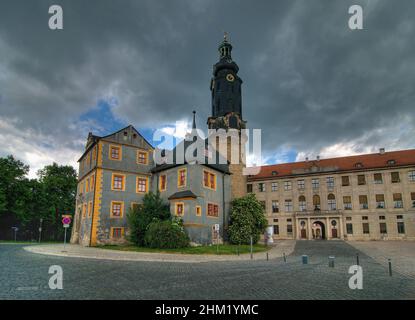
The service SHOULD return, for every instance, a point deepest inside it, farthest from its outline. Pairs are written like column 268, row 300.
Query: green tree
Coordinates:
column 246, row 219
column 12, row 186
column 58, row 190
column 139, row 218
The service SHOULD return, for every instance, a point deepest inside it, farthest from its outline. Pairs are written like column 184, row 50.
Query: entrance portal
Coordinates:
column 319, row 230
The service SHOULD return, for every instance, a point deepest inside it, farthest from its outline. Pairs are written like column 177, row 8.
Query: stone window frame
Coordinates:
column 138, row 185
column 110, row 153
column 161, row 189
column 122, row 232
column 123, row 177
column 142, row 152
column 179, row 176
column 117, row 202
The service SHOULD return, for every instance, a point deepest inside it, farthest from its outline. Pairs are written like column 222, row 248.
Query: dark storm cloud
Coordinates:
column 309, row 81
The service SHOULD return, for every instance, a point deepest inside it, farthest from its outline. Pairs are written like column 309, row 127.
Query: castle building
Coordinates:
column 116, row 171
column 365, row 197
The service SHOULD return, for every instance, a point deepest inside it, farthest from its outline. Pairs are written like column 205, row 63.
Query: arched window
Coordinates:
column 316, row 202
column 301, row 203
column 331, row 201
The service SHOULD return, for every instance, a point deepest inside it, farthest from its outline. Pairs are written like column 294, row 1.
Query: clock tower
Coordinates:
column 227, row 114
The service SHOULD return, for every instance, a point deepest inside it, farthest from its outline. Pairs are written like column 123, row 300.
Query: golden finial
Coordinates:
column 225, row 36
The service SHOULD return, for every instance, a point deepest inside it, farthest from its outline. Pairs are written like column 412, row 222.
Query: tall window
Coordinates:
column 92, row 186
column 401, row 227
column 276, row 229
column 365, row 227
column 382, row 228
column 377, row 178
column 263, row 205
column 287, row 185
column 274, row 186
column 179, row 209
column 345, row 181
column 330, row 182
column 181, row 178
column 90, row 209
column 163, row 182
column 361, row 179
column 142, row 157
column 411, row 175
column 288, row 205
column 118, row 182
column 289, row 229
column 117, row 209
column 275, row 206
column 87, row 185
column 347, row 202
column 301, row 184
column 363, row 202
column 84, row 209
column 315, row 183
column 115, row 153
column 141, row 184
column 301, row 203
column 261, row 187
column 397, row 200
column 413, row 199
column 395, row 177
column 380, row 201
column 331, row 201
column 316, row 202
column 349, row 228
column 209, row 180
column 249, row 188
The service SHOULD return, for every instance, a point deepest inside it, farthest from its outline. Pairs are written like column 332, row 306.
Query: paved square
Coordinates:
column 24, row 275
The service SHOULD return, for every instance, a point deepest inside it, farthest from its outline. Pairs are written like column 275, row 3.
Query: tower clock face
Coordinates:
column 230, row 77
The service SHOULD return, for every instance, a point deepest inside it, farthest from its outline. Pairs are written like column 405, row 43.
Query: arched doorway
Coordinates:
column 319, row 230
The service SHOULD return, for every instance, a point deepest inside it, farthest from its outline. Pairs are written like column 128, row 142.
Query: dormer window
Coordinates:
column 274, row 173
column 358, row 165
column 391, row 162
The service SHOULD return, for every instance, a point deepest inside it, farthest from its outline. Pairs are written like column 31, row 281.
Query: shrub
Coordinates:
column 166, row 234
column 246, row 219
column 152, row 209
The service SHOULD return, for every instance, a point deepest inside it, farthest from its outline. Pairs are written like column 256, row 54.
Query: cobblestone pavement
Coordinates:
column 24, row 275
column 286, row 246
column 401, row 253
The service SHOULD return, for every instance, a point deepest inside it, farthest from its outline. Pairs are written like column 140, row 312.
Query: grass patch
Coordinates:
column 213, row 249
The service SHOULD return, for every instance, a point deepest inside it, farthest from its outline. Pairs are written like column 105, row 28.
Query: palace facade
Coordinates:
column 364, row 197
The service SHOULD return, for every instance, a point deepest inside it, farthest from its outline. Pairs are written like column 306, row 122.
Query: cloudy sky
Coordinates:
column 311, row 84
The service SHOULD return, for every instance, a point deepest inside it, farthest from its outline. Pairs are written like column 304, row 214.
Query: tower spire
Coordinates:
column 194, row 120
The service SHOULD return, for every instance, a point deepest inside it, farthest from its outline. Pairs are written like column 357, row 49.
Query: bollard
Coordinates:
column 304, row 258
column 285, row 258
column 251, row 248
column 390, row 267
column 331, row 261
column 238, row 249
column 357, row 259
column 267, row 256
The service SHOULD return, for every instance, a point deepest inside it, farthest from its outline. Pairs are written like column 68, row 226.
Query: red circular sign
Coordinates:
column 66, row 220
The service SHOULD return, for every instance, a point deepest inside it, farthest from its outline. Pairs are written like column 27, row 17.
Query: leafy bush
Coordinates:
column 246, row 219
column 152, row 209
column 166, row 234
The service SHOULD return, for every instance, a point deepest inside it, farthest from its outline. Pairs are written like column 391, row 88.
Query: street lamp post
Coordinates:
column 40, row 229
column 15, row 229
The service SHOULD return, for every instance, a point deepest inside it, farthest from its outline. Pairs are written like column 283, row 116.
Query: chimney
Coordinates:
column 382, row 151
column 306, row 159
column 318, row 158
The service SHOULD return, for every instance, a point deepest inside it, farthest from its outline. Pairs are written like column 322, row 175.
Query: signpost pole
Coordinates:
column 64, row 240
column 40, row 229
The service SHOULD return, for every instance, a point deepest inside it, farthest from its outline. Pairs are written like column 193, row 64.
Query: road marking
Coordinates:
column 27, row 288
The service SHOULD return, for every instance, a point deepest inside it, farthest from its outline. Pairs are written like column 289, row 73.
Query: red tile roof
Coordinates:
column 350, row 163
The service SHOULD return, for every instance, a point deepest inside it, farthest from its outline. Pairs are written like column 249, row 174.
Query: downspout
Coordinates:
column 223, row 206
